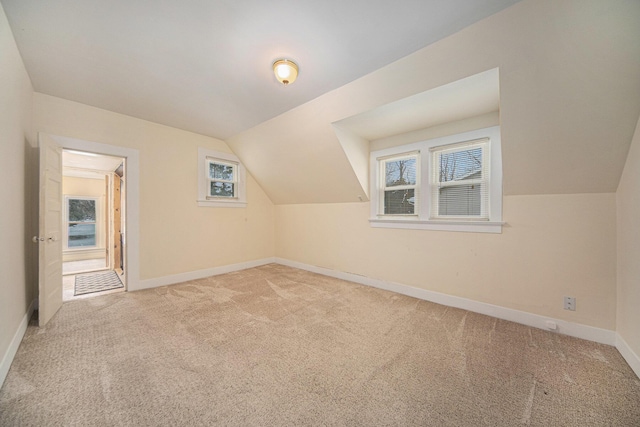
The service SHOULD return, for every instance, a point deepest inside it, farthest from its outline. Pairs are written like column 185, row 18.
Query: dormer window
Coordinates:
column 453, row 183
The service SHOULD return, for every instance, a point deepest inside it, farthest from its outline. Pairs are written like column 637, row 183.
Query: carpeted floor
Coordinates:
column 276, row 346
column 97, row 282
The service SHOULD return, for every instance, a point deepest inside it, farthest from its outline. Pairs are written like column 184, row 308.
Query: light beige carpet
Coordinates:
column 276, row 346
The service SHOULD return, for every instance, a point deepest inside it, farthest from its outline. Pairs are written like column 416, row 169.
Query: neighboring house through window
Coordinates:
column 452, row 183
column 460, row 180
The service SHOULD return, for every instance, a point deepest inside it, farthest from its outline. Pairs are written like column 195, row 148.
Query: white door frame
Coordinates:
column 132, row 213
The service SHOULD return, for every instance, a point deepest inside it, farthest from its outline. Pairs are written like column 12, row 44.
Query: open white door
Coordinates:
column 50, row 237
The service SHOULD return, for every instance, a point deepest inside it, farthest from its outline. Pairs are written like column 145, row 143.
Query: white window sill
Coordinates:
column 83, row 249
column 462, row 226
column 222, row 203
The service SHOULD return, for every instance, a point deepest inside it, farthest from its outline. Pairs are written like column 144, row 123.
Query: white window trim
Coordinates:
column 422, row 220
column 240, row 201
column 65, row 235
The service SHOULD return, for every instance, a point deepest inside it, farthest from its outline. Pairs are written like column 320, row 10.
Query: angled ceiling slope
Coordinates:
column 469, row 97
column 205, row 65
column 569, row 102
column 473, row 96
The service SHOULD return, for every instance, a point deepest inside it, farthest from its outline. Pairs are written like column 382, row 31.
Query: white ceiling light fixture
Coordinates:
column 286, row 71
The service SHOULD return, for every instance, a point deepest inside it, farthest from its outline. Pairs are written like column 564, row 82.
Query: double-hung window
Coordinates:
column 399, row 184
column 452, row 183
column 460, row 180
column 221, row 180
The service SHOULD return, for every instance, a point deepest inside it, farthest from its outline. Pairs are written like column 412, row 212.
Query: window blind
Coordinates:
column 460, row 180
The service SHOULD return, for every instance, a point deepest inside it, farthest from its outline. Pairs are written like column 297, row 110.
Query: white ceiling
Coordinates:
column 88, row 165
column 469, row 97
column 568, row 80
column 205, row 65
column 569, row 101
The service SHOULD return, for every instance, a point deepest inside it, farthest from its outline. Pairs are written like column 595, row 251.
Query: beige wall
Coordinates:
column 17, row 270
column 628, row 202
column 176, row 236
column 90, row 187
column 553, row 246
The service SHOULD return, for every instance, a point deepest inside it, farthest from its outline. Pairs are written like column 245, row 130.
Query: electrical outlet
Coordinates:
column 570, row 303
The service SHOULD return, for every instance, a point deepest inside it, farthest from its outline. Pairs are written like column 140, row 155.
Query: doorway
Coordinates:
column 50, row 234
column 94, row 224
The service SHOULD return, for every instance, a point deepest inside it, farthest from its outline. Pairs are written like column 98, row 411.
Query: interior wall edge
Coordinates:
column 576, row 330
column 8, row 356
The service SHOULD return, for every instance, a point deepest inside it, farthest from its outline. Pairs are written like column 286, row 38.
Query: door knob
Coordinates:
column 36, row 239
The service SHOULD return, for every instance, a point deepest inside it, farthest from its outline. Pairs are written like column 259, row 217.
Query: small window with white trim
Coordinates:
column 221, row 179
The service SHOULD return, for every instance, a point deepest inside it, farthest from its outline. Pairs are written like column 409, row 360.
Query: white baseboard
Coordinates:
column 591, row 333
column 7, row 359
column 198, row 274
column 577, row 330
column 629, row 355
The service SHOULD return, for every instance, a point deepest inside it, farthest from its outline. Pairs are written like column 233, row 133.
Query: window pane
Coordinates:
column 222, row 189
column 82, row 235
column 399, row 202
column 461, row 165
column 463, row 200
column 82, row 210
column 220, row 171
column 400, row 172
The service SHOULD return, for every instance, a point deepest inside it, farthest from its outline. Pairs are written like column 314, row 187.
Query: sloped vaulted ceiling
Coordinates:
column 569, row 101
column 205, row 65
column 569, row 79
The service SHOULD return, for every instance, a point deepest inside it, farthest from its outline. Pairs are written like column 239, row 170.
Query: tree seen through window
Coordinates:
column 400, row 179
